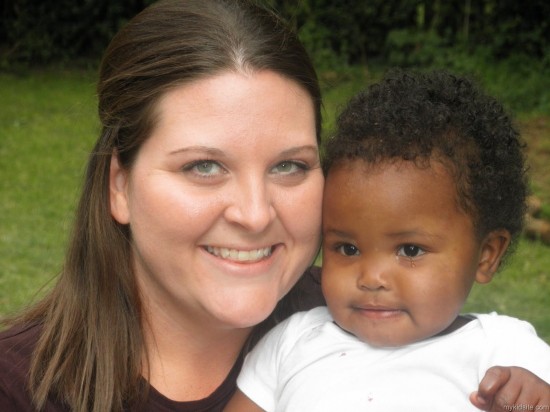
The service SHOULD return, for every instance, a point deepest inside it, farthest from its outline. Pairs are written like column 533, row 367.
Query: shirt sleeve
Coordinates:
column 259, row 374
column 514, row 342
column 262, row 375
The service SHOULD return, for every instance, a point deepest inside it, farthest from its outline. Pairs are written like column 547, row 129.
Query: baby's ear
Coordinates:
column 492, row 249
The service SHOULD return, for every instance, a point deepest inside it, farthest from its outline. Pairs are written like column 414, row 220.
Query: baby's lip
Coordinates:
column 378, row 311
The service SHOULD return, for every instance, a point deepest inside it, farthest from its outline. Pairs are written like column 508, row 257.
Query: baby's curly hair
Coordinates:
column 439, row 116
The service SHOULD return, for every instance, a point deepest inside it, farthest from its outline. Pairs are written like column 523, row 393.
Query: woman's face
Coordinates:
column 223, row 199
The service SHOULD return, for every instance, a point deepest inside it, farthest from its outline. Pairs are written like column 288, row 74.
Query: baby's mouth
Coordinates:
column 236, row 255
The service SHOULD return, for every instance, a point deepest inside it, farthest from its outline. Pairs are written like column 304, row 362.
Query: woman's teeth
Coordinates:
column 239, row 255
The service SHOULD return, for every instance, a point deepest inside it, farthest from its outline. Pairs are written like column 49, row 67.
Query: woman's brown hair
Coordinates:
column 90, row 351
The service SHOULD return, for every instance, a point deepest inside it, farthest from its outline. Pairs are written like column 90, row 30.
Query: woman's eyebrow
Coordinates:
column 202, row 149
column 293, row 151
column 300, row 149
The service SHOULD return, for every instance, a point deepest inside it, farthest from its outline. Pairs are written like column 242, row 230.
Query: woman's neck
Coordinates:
column 187, row 360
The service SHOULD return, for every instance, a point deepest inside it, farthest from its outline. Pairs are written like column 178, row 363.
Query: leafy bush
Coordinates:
column 61, row 30
column 338, row 33
column 411, row 47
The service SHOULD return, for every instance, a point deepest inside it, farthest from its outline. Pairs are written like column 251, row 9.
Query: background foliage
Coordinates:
column 337, row 32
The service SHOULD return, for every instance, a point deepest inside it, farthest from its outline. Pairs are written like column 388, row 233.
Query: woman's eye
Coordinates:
column 289, row 167
column 348, row 250
column 410, row 251
column 204, row 168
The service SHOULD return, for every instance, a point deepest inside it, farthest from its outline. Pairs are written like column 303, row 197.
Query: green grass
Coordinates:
column 47, row 126
column 48, row 123
column 521, row 289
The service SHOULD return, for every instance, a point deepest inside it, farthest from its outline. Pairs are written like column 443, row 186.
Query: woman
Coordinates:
column 189, row 230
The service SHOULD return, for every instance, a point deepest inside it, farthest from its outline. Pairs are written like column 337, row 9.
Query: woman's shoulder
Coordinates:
column 16, row 347
column 18, row 341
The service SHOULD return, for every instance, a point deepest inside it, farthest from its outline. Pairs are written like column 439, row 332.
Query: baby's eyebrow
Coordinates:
column 413, row 232
column 338, row 233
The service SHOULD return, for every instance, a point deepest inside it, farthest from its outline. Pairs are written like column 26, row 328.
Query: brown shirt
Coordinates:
column 17, row 345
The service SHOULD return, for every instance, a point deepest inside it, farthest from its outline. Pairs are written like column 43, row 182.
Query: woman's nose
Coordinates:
column 252, row 206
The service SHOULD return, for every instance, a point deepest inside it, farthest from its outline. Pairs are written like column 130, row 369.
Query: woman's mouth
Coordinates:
column 237, row 255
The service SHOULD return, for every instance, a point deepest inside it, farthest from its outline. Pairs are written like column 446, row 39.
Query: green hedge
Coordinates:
column 337, row 32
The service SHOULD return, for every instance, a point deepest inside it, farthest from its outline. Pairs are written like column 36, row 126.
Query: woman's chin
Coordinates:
column 245, row 314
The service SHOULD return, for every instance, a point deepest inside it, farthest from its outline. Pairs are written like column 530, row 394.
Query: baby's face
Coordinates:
column 399, row 257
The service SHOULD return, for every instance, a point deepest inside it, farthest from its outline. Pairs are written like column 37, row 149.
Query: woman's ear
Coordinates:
column 492, row 250
column 118, row 191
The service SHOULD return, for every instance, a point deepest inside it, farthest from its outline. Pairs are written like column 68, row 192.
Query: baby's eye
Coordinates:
column 348, row 250
column 410, row 251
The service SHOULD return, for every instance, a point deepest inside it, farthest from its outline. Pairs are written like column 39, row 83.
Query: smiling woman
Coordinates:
column 189, row 241
column 212, row 165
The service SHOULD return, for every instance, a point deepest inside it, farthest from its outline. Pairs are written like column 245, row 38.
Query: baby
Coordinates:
column 424, row 196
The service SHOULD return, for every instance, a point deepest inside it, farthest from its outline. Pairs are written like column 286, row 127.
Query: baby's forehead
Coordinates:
column 368, row 167
column 350, row 173
column 397, row 195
